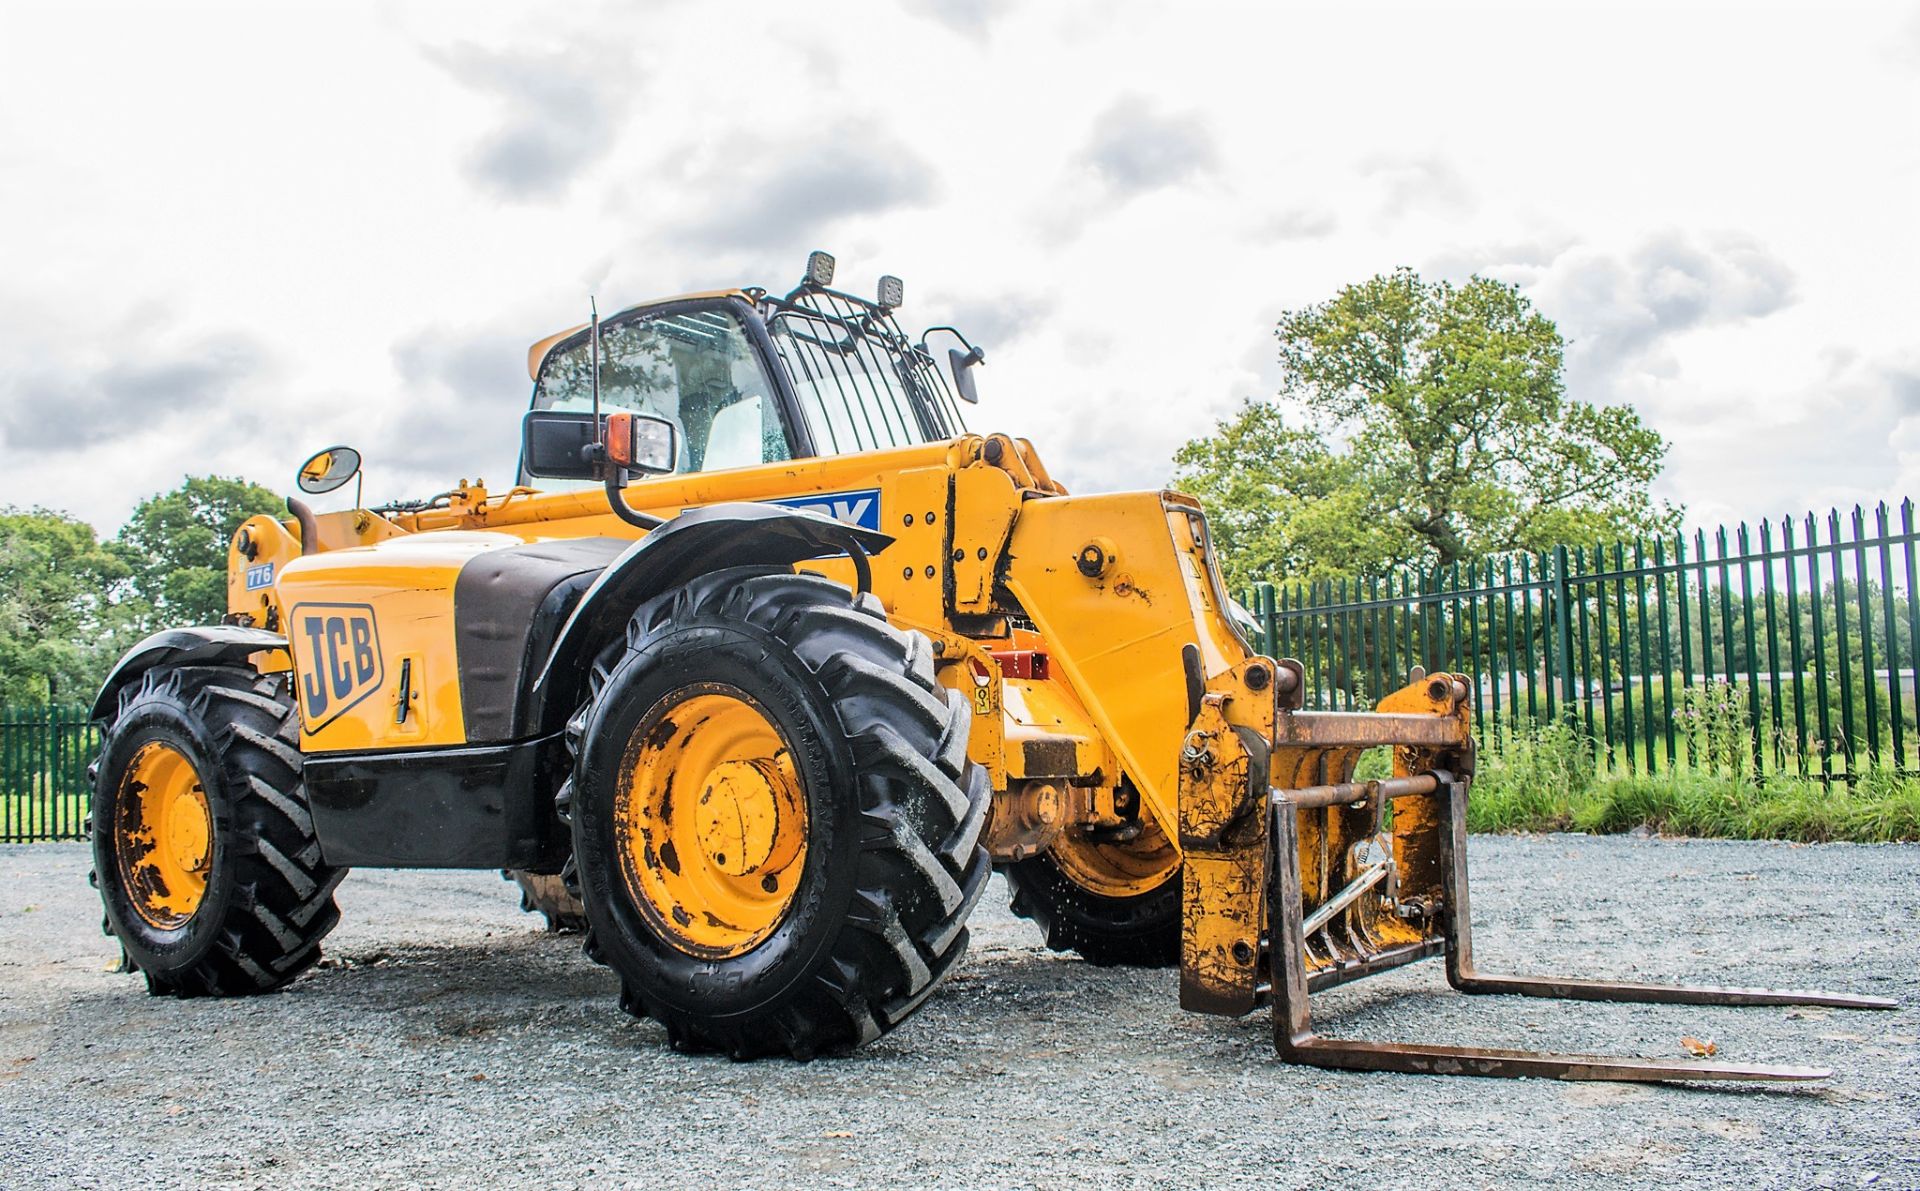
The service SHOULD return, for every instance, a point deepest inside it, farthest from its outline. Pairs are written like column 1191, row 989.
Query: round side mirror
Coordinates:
column 328, row 470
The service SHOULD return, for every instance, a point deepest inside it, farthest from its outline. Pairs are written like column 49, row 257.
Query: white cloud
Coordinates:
column 1136, row 147
column 1617, row 309
column 557, row 111
column 1427, row 182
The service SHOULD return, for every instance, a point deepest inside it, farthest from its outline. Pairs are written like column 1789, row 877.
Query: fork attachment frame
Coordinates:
column 1341, row 896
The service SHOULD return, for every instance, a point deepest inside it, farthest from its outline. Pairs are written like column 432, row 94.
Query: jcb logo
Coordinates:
column 338, row 649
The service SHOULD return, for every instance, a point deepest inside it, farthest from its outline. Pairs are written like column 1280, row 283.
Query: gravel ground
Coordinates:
column 447, row 1040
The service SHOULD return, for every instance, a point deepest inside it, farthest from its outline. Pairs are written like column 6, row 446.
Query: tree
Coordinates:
column 1436, row 429
column 175, row 544
column 59, row 626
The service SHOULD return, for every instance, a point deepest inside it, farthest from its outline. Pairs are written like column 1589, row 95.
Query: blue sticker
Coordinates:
column 260, row 576
column 850, row 508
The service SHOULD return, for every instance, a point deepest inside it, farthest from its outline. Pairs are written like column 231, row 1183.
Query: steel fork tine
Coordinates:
column 1456, row 924
column 1296, row 1041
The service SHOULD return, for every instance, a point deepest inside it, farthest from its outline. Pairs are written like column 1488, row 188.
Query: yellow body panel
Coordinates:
column 1117, row 637
column 981, row 551
column 405, row 587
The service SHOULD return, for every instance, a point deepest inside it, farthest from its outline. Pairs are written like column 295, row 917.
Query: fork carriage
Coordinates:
column 1298, row 878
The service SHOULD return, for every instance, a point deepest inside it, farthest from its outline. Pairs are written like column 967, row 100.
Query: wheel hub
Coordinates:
column 715, row 874
column 163, row 835
column 738, row 817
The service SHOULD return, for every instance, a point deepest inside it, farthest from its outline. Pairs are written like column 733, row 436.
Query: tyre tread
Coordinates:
column 921, row 868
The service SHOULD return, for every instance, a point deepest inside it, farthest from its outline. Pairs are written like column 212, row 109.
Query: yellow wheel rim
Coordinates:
column 1141, row 865
column 711, row 819
column 163, row 836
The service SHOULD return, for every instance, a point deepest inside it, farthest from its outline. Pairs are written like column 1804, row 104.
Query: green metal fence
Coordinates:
column 1800, row 634
column 44, row 752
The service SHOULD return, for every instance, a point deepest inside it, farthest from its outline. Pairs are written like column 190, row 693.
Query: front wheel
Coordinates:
column 776, row 828
column 203, row 847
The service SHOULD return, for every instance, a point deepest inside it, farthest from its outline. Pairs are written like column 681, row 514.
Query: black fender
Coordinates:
column 200, row 645
column 692, row 544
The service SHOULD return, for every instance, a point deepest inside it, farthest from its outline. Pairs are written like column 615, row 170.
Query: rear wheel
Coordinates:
column 776, row 829
column 204, row 852
column 1114, row 903
column 547, row 895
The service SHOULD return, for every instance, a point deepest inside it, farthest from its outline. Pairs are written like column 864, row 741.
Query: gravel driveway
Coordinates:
column 447, row 1040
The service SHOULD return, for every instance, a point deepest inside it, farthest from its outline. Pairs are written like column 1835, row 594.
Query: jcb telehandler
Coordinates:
column 767, row 662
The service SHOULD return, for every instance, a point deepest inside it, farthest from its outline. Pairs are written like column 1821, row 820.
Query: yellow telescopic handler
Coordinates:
column 756, row 672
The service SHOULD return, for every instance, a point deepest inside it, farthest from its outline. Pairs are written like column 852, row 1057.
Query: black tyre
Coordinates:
column 203, row 847
column 1114, row 904
column 547, row 894
column 776, row 829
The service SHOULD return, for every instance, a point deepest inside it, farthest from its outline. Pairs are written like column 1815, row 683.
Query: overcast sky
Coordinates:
column 231, row 235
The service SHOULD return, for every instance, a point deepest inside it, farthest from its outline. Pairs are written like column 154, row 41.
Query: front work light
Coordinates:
column 819, row 269
column 892, row 293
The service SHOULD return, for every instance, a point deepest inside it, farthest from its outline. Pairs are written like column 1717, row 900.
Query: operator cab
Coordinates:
column 748, row 379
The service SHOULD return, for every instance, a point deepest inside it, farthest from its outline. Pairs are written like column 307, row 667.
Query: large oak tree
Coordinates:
column 1433, row 426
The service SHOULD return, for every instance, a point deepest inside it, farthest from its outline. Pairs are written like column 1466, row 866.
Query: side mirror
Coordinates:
column 962, row 364
column 553, row 444
column 328, row 469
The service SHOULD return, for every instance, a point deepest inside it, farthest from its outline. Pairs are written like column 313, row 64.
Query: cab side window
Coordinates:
column 696, row 368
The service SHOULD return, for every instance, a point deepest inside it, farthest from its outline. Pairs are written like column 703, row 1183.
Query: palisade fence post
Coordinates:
column 1374, row 687
column 1773, row 640
column 1684, row 602
column 1815, row 598
column 1496, row 714
column 1626, row 661
column 57, row 771
column 36, row 785
column 1646, row 651
column 1913, row 596
column 1756, row 726
column 1289, row 630
column 1545, row 671
column 1411, row 585
column 1348, row 592
column 1895, row 703
column 1513, row 662
column 1843, row 655
column 1600, row 603
column 1796, row 649
column 1726, row 616
column 1706, row 607
column 6, row 774
column 1868, row 682
column 1472, row 668
column 1389, row 676
column 1583, row 572
column 1666, row 649
column 1269, row 620
column 1562, row 618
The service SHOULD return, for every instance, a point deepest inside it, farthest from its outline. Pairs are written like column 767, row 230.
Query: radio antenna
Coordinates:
column 594, row 307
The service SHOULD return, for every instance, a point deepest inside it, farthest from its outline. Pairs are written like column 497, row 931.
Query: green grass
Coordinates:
column 1546, row 780
column 37, row 816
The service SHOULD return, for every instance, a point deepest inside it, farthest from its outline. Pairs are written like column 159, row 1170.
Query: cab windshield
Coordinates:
column 696, row 368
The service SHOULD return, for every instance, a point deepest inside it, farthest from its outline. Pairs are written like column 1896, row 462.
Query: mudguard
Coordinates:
column 690, row 545
column 200, row 645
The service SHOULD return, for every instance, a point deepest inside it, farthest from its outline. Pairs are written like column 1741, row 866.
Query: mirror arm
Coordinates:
column 617, row 501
